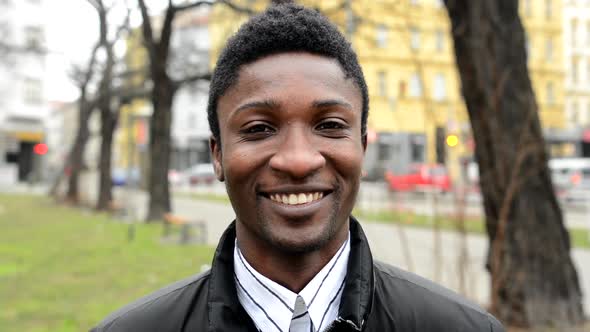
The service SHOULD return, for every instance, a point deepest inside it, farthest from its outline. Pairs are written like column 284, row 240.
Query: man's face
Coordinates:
column 291, row 151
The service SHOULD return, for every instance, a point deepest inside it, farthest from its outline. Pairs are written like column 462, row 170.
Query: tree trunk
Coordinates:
column 160, row 147
column 108, row 118
column 534, row 282
column 109, row 123
column 76, row 156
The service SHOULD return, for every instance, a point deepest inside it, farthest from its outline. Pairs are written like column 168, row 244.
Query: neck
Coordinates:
column 289, row 269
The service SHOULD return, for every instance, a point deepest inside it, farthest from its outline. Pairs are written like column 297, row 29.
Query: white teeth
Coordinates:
column 296, row 199
column 301, row 199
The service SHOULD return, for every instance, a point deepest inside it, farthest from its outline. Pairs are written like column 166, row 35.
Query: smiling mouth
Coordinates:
column 297, row 198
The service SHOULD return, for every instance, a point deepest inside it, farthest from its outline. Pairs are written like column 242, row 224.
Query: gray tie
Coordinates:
column 301, row 322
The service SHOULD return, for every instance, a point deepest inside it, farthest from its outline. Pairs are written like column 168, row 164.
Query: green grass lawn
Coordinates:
column 62, row 269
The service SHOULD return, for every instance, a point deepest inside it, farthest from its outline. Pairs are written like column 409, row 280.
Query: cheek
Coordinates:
column 347, row 159
column 241, row 165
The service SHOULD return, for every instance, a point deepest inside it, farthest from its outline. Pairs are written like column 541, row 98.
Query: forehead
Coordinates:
column 293, row 74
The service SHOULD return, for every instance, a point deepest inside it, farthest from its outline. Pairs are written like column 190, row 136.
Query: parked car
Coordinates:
column 199, row 174
column 571, row 178
column 420, row 176
column 124, row 177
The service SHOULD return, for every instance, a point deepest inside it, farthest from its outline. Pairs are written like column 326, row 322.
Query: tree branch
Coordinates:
column 148, row 34
column 237, row 8
column 192, row 78
column 194, row 5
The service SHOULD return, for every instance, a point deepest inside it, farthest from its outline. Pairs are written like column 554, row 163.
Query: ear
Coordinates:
column 215, row 148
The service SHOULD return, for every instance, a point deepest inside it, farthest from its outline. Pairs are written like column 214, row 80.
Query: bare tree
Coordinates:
column 86, row 105
column 164, row 88
column 534, row 281
column 108, row 104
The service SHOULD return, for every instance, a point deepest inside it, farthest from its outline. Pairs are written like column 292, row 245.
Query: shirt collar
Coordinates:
column 270, row 305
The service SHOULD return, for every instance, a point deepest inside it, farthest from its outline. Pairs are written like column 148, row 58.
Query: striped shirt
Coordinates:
column 271, row 305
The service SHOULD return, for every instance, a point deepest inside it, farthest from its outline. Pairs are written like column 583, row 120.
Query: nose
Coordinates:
column 296, row 155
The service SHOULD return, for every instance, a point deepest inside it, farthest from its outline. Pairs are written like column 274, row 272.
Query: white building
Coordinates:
column 576, row 27
column 24, row 111
column 190, row 129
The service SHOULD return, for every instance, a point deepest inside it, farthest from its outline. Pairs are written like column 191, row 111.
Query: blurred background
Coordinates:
column 107, row 190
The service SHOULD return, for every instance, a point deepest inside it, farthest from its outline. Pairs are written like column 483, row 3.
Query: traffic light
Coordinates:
column 452, row 140
column 40, row 149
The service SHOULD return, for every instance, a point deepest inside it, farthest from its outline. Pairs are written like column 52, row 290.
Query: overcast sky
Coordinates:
column 72, row 30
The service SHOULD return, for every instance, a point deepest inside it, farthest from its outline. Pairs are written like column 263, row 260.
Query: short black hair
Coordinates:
column 281, row 28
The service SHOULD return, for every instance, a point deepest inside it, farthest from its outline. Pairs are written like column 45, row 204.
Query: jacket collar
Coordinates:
column 226, row 313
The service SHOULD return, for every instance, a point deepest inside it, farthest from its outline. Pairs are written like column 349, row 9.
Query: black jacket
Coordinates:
column 376, row 297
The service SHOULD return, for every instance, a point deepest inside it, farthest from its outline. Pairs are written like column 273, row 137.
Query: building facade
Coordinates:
column 406, row 51
column 576, row 50
column 24, row 111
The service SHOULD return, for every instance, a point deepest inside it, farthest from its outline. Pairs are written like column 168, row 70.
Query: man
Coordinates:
column 288, row 111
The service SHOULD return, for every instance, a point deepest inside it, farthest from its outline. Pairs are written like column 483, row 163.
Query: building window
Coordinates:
column 528, row 10
column 550, row 93
column 440, row 87
column 33, row 37
column 402, row 89
column 415, row 85
column 417, row 151
column 414, row 38
column 574, row 70
column 381, row 36
column 548, row 9
column 549, row 49
column 574, row 32
column 32, row 91
column 439, row 40
column 382, row 77
column 574, row 113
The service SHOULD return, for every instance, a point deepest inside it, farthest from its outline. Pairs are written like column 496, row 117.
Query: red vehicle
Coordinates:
column 420, row 176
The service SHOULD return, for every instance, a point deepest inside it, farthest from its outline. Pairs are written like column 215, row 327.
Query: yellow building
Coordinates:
column 406, row 51
column 131, row 137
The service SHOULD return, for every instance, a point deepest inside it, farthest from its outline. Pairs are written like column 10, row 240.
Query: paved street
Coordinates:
column 374, row 195
column 422, row 252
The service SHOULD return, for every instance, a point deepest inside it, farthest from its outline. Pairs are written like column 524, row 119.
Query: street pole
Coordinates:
column 130, row 146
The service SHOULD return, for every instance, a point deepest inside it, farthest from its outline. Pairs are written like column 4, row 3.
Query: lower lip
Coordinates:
column 297, row 211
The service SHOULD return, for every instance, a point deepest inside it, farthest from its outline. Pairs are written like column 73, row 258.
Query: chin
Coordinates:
column 296, row 246
column 302, row 241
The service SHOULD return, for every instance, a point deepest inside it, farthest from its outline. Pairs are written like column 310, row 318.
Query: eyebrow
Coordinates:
column 331, row 103
column 262, row 104
column 272, row 104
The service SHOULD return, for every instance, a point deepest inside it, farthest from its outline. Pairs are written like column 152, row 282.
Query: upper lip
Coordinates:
column 295, row 189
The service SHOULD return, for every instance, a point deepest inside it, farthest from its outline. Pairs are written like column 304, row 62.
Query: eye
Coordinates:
column 331, row 125
column 257, row 131
column 258, row 128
